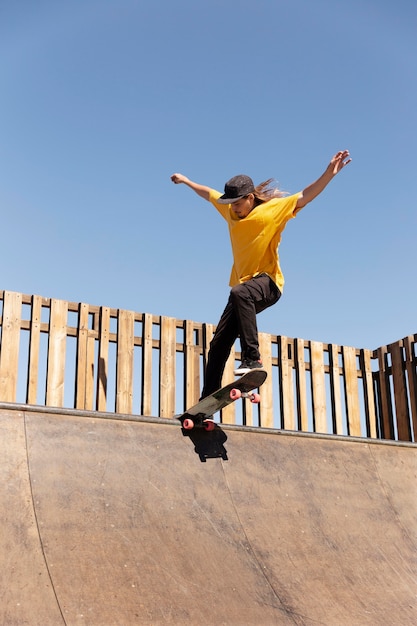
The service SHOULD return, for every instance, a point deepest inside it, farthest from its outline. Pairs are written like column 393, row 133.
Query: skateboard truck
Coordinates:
column 254, row 397
column 207, row 423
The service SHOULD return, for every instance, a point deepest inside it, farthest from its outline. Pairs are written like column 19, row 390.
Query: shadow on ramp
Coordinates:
column 208, row 444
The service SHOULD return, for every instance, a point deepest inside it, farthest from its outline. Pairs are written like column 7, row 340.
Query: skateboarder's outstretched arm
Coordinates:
column 337, row 163
column 201, row 190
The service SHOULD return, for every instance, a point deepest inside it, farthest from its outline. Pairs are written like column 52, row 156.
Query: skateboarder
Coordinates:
column 256, row 216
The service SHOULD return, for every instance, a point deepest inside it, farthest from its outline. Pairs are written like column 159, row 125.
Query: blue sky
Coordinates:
column 102, row 100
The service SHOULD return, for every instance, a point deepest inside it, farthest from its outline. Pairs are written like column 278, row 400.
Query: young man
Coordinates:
column 256, row 217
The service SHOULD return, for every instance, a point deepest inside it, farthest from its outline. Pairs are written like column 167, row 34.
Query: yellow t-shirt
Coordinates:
column 255, row 238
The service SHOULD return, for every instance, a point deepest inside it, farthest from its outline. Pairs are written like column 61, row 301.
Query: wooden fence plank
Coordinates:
column 34, row 350
column 335, row 392
column 411, row 369
column 208, row 333
column 301, row 385
column 89, row 383
column 10, row 341
column 369, row 396
column 198, row 353
column 228, row 414
column 103, row 358
column 266, row 407
column 400, row 392
column 167, row 367
column 351, row 391
column 124, row 364
column 147, row 327
column 81, row 364
column 286, row 384
column 191, row 366
column 56, row 353
column 386, row 422
column 318, row 387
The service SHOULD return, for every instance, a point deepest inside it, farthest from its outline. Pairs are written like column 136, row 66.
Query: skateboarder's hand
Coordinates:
column 201, row 190
column 339, row 161
column 179, row 178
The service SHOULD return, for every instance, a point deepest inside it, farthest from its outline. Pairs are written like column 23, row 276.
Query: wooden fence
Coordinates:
column 75, row 355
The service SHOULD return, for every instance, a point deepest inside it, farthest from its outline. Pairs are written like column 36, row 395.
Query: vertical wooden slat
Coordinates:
column 81, row 369
column 267, row 403
column 56, row 353
column 147, row 326
column 10, row 341
column 368, row 390
column 89, row 383
column 318, row 386
column 384, row 395
column 124, row 363
column 301, row 383
column 208, row 332
column 84, row 384
column 34, row 350
column 198, row 352
column 249, row 413
column 191, row 370
column 335, row 393
column 400, row 392
column 228, row 414
column 411, row 369
column 351, row 391
column 286, row 385
column 103, row 358
column 167, row 367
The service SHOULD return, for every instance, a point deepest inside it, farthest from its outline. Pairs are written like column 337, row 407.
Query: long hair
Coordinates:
column 267, row 190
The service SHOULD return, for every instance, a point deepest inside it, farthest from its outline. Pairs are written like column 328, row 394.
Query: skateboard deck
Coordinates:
column 201, row 414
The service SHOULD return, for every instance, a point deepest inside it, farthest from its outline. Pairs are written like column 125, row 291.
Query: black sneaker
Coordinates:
column 246, row 366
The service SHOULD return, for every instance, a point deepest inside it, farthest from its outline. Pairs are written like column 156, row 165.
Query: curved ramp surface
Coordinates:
column 117, row 522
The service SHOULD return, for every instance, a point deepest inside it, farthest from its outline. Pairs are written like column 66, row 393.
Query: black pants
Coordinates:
column 239, row 320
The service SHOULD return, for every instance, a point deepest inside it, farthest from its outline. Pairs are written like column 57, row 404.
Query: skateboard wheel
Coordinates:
column 188, row 424
column 255, row 398
column 209, row 425
column 235, row 394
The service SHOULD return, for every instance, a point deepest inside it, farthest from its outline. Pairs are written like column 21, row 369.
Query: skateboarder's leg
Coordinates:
column 248, row 299
column 238, row 318
column 226, row 334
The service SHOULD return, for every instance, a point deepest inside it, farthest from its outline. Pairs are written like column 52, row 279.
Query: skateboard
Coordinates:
column 201, row 414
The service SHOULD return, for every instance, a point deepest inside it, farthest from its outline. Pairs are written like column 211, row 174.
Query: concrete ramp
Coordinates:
column 118, row 522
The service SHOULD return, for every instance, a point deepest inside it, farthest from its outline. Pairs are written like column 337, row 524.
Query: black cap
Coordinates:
column 236, row 188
